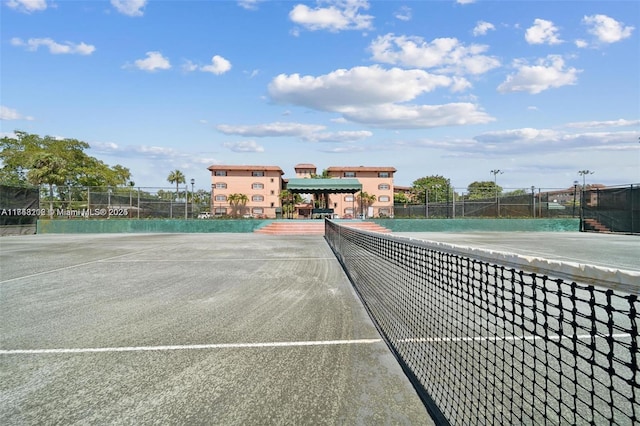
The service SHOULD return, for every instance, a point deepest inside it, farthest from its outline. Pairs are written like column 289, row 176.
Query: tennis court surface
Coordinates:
column 607, row 250
column 190, row 329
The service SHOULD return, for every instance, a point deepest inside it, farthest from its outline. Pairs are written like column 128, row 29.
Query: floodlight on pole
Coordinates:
column 495, row 185
column 583, row 203
column 584, row 173
column 193, row 182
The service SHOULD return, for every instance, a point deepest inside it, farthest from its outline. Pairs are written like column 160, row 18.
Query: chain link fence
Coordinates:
column 607, row 209
column 540, row 202
column 71, row 202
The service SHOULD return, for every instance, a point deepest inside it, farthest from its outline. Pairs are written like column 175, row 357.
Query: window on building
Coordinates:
column 257, row 185
column 384, row 198
column 221, row 198
column 257, row 173
column 384, row 212
column 220, row 211
column 384, row 187
column 348, row 198
column 272, row 192
column 257, row 210
column 220, row 172
column 221, row 185
column 349, row 174
column 383, row 174
column 348, row 212
column 257, row 198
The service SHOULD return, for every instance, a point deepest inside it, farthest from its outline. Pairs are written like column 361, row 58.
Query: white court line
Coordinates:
column 186, row 347
column 506, row 338
column 289, row 344
column 64, row 268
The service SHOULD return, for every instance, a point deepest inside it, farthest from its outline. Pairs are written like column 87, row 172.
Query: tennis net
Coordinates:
column 496, row 338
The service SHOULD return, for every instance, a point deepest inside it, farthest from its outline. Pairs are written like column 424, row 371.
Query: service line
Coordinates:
column 186, row 347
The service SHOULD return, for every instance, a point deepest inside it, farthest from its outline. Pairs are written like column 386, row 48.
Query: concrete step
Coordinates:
column 594, row 225
column 313, row 227
column 293, row 228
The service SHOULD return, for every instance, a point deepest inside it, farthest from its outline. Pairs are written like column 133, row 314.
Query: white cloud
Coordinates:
column 249, row 4
column 340, row 137
column 609, row 123
column 7, row 113
column 581, row 44
column 482, row 28
column 404, row 14
column 68, row 48
column 542, row 32
column 370, row 95
column 129, row 7
column 444, row 54
column 27, row 6
column 359, row 86
column 219, row 65
column 154, row 61
column 243, row 146
column 394, row 116
column 607, row 29
column 549, row 72
column 271, row 129
column 104, row 147
column 465, row 1
column 189, row 66
column 529, row 140
column 339, row 15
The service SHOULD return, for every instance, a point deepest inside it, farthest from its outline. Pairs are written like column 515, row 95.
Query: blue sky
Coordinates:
column 536, row 89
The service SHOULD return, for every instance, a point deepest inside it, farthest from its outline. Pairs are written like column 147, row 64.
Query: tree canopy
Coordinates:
column 479, row 190
column 436, row 186
column 32, row 159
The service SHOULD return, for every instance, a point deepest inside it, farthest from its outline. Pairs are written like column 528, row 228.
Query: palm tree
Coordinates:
column 366, row 200
column 176, row 177
column 237, row 200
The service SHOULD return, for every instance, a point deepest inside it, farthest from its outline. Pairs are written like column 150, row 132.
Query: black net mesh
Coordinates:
column 490, row 344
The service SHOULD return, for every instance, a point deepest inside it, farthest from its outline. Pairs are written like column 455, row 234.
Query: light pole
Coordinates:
column 495, row 185
column 583, row 173
column 193, row 182
column 575, row 190
column 533, row 201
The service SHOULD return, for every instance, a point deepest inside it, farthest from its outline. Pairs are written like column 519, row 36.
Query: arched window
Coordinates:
column 257, row 185
column 384, row 187
column 383, row 198
column 348, row 198
column 257, row 198
column 221, row 185
column 221, row 198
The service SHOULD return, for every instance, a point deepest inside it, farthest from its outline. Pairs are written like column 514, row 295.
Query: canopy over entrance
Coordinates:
column 324, row 186
column 321, row 188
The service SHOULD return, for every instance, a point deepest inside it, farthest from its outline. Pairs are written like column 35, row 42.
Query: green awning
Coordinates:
column 331, row 186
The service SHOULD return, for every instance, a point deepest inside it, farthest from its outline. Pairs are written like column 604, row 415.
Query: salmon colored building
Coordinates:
column 262, row 185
